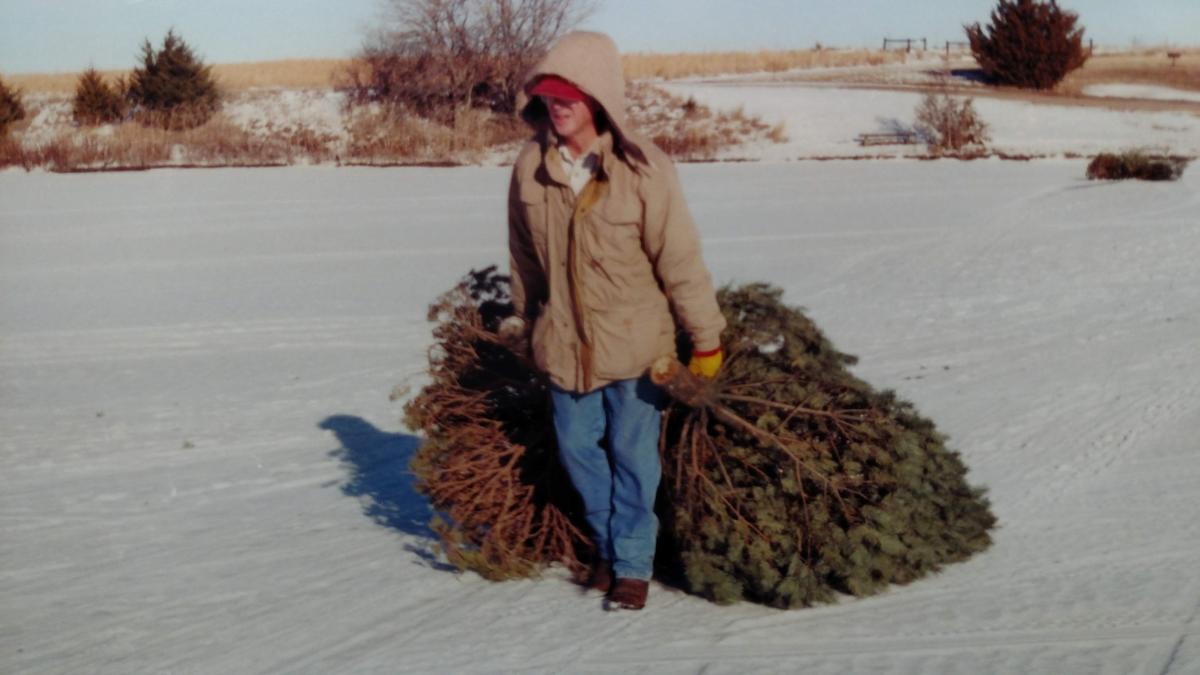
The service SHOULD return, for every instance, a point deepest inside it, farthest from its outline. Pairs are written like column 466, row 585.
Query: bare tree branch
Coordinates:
column 434, row 56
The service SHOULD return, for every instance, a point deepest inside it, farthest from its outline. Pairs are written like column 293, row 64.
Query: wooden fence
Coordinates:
column 907, row 42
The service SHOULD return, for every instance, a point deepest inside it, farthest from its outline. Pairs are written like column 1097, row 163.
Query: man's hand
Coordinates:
column 706, row 364
column 512, row 328
column 514, row 335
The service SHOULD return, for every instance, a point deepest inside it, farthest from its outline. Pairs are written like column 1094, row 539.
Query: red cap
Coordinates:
column 557, row 87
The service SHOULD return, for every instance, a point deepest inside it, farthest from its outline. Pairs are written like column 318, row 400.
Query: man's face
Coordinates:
column 569, row 117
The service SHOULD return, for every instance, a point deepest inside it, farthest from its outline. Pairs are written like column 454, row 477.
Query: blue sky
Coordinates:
column 68, row 35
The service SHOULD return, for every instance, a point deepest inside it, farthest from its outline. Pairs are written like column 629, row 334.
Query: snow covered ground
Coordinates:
column 1141, row 91
column 822, row 116
column 824, row 121
column 200, row 470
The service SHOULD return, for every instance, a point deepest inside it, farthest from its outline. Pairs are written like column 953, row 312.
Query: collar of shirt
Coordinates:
column 579, row 170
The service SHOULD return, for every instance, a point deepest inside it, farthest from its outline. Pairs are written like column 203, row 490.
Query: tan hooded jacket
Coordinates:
column 602, row 277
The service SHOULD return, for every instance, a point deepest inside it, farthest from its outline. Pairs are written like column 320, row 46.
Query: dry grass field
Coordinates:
column 52, row 83
column 285, row 74
column 1137, row 67
column 640, row 66
column 288, row 74
column 219, row 142
column 320, row 73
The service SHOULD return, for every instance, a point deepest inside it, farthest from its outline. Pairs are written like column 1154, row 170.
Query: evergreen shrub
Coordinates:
column 1135, row 164
column 97, row 102
column 11, row 108
column 172, row 88
column 1031, row 44
column 789, row 482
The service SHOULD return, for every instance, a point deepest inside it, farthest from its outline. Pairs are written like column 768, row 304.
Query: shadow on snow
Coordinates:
column 376, row 463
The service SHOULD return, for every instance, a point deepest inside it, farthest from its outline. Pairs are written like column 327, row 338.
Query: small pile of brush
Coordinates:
column 786, row 480
column 1135, row 165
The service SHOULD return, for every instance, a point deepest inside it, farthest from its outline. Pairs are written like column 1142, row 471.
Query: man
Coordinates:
column 604, row 260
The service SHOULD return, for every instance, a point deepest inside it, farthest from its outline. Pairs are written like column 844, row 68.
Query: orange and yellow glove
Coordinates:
column 706, row 364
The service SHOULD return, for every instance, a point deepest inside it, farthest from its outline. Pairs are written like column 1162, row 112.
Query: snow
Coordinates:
column 49, row 116
column 918, row 68
column 201, row 472
column 288, row 111
column 825, row 120
column 823, row 111
column 1145, row 91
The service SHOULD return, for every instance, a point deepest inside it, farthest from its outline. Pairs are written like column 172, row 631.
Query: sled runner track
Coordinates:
column 1188, row 635
column 1090, row 447
column 929, row 643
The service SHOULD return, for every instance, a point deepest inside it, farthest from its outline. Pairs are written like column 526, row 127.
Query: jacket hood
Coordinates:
column 591, row 62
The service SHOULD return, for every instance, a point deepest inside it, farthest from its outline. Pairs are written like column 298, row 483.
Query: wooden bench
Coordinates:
column 888, row 138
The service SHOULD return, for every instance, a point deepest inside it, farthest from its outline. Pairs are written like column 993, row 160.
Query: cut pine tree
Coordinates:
column 786, row 480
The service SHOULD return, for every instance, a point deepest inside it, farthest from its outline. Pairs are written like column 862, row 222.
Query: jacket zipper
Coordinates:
column 589, row 197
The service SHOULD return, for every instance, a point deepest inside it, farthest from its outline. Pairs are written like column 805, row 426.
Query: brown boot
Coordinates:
column 628, row 594
column 600, row 577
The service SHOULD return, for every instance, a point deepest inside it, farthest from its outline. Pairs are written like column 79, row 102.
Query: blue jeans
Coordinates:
column 617, row 486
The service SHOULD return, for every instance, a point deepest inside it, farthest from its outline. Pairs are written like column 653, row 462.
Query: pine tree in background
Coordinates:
column 11, row 109
column 1029, row 43
column 96, row 102
column 172, row 88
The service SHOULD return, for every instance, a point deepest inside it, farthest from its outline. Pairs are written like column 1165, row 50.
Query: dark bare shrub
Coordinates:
column 691, row 131
column 384, row 136
column 1029, row 43
column 11, row 109
column 12, row 154
column 437, row 56
column 1135, row 164
column 948, row 124
column 172, row 88
column 97, row 102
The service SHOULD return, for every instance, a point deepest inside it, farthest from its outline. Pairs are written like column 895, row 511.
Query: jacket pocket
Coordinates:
column 628, row 339
column 617, row 227
column 619, row 272
column 617, row 209
column 533, row 206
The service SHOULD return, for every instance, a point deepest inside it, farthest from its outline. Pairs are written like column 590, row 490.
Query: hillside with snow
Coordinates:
column 814, row 114
column 823, row 120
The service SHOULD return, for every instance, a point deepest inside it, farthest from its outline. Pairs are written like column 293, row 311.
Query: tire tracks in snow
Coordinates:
column 1176, row 649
